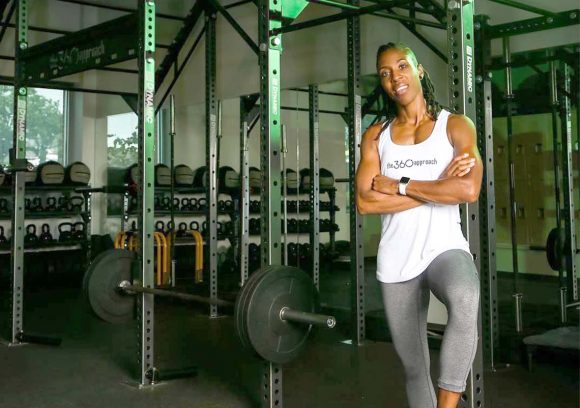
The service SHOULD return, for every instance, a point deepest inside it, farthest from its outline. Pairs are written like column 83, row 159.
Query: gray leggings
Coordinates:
column 453, row 279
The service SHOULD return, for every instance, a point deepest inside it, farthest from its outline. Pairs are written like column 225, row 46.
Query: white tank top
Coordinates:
column 411, row 239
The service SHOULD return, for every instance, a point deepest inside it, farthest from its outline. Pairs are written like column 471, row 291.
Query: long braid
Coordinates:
column 389, row 108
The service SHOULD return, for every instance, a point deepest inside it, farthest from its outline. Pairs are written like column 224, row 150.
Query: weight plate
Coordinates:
column 101, row 286
column 241, row 304
column 275, row 340
column 256, row 278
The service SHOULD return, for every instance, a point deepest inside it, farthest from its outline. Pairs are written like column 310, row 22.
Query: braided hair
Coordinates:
column 389, row 108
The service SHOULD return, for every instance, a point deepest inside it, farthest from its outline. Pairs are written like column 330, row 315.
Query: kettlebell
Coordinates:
column 176, row 203
column 50, row 204
column 27, row 204
column 229, row 204
column 76, row 204
column 63, row 203
column 36, row 204
column 166, row 203
column 193, row 206
column 182, row 230
column 45, row 235
column 194, row 225
column 201, row 203
column 30, row 237
column 79, row 231
column 159, row 226
column 170, row 226
column 157, row 203
column 221, row 206
column 3, row 205
column 65, row 231
column 3, row 239
column 185, row 204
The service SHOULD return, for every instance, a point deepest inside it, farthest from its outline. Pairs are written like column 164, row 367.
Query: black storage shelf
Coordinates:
column 189, row 238
column 295, row 233
column 167, row 189
column 47, row 246
column 178, row 213
column 57, row 188
column 297, row 191
column 302, row 211
column 37, row 215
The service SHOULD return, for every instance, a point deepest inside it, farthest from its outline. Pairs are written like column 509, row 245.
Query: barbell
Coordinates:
column 273, row 313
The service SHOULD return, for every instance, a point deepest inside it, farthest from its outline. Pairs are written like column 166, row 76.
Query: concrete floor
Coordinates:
column 95, row 362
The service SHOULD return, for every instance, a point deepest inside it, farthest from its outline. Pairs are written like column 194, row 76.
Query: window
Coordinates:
column 45, row 125
column 122, row 139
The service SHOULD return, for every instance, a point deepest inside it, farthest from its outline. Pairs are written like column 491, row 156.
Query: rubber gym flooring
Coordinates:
column 93, row 366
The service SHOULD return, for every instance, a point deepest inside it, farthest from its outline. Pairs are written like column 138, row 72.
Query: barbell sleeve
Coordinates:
column 298, row 316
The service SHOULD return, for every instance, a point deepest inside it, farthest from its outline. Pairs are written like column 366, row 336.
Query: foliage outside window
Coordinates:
column 122, row 139
column 45, row 139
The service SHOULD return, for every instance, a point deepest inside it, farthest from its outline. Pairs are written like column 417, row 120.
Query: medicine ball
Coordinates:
column 291, row 179
column 255, row 177
column 199, row 178
column 183, row 175
column 305, row 179
column 228, row 178
column 133, row 174
column 30, row 176
column 4, row 177
column 50, row 173
column 77, row 173
column 326, row 179
column 162, row 175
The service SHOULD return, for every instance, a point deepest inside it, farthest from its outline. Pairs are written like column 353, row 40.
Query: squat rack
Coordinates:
column 484, row 65
column 462, row 99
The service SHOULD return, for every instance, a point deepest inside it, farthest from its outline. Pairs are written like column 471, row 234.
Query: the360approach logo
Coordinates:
column 408, row 163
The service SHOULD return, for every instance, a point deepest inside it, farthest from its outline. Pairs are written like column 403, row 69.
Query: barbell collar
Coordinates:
column 297, row 316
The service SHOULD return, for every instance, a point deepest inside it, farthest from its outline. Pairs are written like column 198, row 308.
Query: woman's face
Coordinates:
column 400, row 76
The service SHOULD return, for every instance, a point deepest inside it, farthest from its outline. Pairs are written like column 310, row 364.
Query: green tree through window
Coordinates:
column 122, row 139
column 44, row 124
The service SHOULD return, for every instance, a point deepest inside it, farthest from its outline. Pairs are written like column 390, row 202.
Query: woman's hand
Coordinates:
column 459, row 166
column 385, row 185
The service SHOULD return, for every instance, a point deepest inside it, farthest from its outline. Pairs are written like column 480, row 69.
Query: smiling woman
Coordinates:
column 415, row 168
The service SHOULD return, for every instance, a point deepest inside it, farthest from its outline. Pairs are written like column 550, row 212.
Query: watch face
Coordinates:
column 405, row 179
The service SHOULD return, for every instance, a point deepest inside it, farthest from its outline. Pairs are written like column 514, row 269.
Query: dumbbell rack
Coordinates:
column 127, row 212
column 56, row 245
column 332, row 209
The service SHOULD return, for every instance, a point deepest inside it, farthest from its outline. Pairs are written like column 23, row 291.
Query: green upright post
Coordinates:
column 568, row 209
column 269, row 13
column 146, row 142
column 211, row 133
column 489, row 306
column 18, row 188
column 462, row 100
column 354, row 140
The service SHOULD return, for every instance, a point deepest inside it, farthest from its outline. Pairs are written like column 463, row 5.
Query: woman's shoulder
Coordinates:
column 373, row 132
column 458, row 120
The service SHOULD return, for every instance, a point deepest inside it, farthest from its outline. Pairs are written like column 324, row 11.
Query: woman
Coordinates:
column 415, row 168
